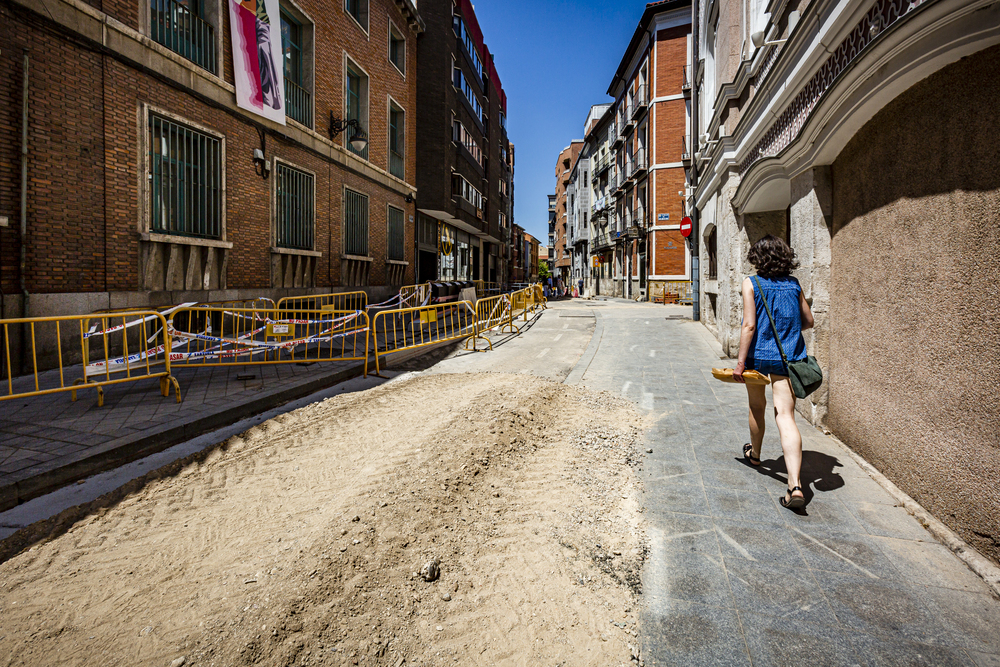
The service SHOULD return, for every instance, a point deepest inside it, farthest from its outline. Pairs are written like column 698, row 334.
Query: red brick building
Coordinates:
column 564, row 165
column 140, row 182
column 639, row 154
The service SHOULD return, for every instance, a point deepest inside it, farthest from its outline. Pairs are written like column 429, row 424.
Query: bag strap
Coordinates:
column 777, row 337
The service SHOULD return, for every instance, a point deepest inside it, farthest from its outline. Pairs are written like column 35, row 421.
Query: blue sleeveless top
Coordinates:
column 783, row 297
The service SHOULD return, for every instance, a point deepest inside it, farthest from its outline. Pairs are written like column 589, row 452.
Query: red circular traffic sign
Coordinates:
column 686, row 226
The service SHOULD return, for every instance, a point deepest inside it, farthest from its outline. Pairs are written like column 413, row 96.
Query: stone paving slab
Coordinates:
column 733, row 578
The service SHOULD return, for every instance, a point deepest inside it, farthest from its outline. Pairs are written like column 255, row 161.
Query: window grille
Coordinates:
column 296, row 216
column 397, row 50
column 354, row 92
column 396, row 142
column 298, row 100
column 355, row 223
column 185, row 176
column 180, row 27
column 394, row 235
column 359, row 10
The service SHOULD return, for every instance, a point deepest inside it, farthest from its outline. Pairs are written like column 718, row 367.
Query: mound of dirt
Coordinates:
column 305, row 540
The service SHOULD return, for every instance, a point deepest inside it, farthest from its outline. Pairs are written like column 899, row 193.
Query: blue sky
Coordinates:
column 555, row 59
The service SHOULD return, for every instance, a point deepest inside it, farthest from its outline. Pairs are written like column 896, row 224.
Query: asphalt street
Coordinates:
column 732, row 578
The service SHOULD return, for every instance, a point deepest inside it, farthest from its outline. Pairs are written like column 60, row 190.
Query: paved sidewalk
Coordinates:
column 49, row 441
column 732, row 578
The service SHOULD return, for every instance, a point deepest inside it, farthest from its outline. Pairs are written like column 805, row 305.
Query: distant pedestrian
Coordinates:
column 774, row 262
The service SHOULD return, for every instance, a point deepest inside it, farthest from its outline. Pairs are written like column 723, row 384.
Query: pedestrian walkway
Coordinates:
column 734, row 579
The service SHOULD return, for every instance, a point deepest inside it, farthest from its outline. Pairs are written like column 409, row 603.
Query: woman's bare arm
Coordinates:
column 747, row 330
column 807, row 314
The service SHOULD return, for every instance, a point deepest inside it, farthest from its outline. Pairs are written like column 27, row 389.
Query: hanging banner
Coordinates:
column 257, row 63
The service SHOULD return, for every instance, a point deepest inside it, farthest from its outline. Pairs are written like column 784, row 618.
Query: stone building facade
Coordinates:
column 141, row 189
column 864, row 133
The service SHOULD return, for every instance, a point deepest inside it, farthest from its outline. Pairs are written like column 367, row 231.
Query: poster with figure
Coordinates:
column 260, row 84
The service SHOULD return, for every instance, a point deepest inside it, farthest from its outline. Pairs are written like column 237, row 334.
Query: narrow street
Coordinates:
column 570, row 527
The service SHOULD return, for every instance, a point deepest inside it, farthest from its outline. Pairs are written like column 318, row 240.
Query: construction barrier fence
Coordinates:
column 73, row 352
column 99, row 350
column 213, row 336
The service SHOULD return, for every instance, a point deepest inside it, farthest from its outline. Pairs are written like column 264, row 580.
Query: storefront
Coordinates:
column 455, row 252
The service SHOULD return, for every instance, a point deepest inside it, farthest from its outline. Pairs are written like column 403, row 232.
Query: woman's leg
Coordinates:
column 758, row 404
column 791, row 440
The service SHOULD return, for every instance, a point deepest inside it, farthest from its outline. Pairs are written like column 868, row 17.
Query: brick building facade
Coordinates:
column 466, row 177
column 563, row 252
column 140, row 183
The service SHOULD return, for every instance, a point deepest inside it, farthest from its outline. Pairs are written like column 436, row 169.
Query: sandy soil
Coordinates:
column 300, row 541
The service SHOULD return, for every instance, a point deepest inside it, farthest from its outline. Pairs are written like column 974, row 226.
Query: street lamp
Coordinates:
column 358, row 140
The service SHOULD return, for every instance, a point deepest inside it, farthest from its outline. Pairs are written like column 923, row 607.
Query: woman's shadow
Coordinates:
column 817, row 473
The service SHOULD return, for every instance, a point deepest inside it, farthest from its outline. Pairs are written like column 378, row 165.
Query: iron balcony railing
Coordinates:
column 613, row 181
column 639, row 102
column 639, row 217
column 182, row 31
column 397, row 166
column 298, row 103
column 637, row 163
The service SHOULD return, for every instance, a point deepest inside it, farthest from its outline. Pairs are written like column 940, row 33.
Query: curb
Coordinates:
column 982, row 566
column 583, row 363
column 119, row 452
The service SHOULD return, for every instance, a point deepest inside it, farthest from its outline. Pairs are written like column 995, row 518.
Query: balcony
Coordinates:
column 639, row 102
column 179, row 29
column 637, row 163
column 685, row 152
column 639, row 218
column 627, row 122
column 686, row 80
column 603, row 242
column 298, row 103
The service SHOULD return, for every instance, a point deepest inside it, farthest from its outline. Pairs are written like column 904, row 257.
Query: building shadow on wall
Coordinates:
column 818, row 473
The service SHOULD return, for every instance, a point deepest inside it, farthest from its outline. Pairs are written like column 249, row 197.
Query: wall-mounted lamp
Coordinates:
column 260, row 164
column 358, row 140
column 408, row 199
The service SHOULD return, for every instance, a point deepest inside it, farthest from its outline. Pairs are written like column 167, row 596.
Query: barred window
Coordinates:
column 355, row 223
column 397, row 141
column 395, row 235
column 296, row 215
column 185, row 177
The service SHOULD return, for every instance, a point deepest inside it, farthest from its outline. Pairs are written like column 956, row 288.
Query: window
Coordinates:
column 356, row 103
column 181, row 26
column 358, row 9
column 395, row 238
column 397, row 48
column 298, row 100
column 185, row 176
column 713, row 255
column 470, row 45
column 464, row 189
column 397, row 127
column 465, row 138
column 355, row 223
column 296, row 215
column 463, row 84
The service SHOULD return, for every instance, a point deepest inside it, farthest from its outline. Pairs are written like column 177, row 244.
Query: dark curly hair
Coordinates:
column 772, row 257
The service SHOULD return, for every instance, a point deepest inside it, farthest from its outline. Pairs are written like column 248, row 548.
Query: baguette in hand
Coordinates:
column 750, row 377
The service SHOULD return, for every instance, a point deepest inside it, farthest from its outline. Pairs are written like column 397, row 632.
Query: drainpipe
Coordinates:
column 695, row 218
column 24, row 208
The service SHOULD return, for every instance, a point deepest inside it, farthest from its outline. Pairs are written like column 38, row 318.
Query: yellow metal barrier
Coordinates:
column 492, row 312
column 209, row 336
column 134, row 346
column 411, row 296
column 410, row 328
column 338, row 301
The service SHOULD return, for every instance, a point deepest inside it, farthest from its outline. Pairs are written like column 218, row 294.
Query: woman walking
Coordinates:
column 773, row 287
